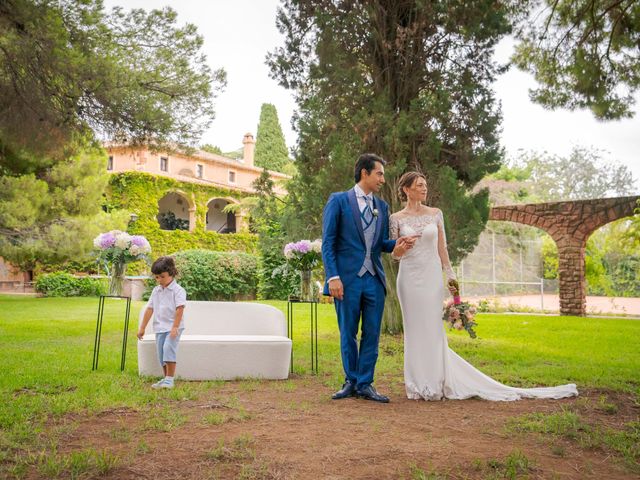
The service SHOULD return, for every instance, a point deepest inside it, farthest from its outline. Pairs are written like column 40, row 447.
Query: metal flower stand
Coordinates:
column 313, row 330
column 96, row 341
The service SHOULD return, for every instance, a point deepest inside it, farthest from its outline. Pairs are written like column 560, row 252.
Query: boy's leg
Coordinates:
column 170, row 354
column 160, row 341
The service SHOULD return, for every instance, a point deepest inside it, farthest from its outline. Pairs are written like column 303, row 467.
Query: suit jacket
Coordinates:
column 343, row 244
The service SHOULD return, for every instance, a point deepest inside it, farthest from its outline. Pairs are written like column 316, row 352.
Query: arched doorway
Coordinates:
column 217, row 220
column 176, row 212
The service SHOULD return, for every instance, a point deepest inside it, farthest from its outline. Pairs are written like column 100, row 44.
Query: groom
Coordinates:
column 355, row 232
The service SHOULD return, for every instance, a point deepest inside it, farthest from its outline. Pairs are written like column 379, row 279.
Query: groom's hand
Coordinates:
column 336, row 289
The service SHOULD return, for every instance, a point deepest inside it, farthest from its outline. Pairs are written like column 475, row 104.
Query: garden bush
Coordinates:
column 62, row 284
column 209, row 275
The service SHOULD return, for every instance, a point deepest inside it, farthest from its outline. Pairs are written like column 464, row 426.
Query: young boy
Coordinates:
column 166, row 304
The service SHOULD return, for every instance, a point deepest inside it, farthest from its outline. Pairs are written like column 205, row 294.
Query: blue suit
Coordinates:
column 343, row 255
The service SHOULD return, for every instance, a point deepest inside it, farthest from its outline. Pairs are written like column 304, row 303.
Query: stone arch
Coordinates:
column 570, row 224
column 218, row 221
column 176, row 211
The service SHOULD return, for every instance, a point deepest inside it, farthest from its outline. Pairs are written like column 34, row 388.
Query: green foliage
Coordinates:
column 584, row 174
column 549, row 258
column 271, row 150
column 69, row 68
column 541, row 177
column 271, row 221
column 611, row 262
column 207, row 275
column 583, row 54
column 140, row 192
column 62, row 284
column 207, row 147
column 632, row 234
column 52, row 216
column 276, row 282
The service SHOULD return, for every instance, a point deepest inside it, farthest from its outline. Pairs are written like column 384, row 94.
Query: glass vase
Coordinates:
column 306, row 286
column 116, row 278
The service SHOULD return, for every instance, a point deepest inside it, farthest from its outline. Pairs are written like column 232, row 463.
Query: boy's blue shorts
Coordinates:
column 167, row 347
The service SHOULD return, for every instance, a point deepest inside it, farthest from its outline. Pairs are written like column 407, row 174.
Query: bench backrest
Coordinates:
column 230, row 318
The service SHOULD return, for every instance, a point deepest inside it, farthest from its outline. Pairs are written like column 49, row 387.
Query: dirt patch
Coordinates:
column 292, row 429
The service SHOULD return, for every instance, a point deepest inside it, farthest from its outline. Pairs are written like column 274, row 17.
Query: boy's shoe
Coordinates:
column 163, row 384
column 158, row 383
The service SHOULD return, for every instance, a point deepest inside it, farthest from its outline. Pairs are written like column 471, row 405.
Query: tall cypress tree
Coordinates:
column 408, row 80
column 271, row 149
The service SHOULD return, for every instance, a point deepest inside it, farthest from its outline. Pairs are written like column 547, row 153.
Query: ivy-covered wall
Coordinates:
column 139, row 193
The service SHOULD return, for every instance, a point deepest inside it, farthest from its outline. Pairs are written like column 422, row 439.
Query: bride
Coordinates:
column 432, row 371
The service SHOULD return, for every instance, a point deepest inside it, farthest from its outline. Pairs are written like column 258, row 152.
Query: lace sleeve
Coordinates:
column 442, row 249
column 394, row 228
column 394, row 232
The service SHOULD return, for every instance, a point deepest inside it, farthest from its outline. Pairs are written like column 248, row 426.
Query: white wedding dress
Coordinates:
column 432, row 371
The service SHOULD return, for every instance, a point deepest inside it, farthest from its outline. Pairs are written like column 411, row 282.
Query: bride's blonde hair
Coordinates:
column 406, row 180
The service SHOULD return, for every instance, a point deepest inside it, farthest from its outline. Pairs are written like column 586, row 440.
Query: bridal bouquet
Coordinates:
column 459, row 315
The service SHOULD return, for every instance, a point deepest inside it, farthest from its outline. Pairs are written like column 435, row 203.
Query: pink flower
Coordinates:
column 458, row 325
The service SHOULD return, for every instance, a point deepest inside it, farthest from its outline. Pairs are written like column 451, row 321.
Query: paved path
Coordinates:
column 551, row 303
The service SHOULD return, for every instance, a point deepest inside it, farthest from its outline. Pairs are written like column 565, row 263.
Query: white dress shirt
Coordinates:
column 164, row 302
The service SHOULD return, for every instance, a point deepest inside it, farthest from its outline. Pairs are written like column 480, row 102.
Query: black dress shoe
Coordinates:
column 347, row 390
column 369, row 393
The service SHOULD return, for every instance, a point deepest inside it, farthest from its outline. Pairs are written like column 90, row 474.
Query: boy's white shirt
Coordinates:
column 164, row 302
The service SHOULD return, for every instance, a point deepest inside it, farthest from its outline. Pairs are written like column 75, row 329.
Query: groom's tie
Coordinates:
column 366, row 214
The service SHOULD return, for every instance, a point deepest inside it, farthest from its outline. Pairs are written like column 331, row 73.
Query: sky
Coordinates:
column 238, row 34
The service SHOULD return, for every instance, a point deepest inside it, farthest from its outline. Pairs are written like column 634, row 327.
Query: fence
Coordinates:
column 502, row 265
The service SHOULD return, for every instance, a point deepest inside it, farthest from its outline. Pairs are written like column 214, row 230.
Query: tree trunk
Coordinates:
column 392, row 316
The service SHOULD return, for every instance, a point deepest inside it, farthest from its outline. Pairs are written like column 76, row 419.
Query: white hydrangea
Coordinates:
column 123, row 240
column 316, row 245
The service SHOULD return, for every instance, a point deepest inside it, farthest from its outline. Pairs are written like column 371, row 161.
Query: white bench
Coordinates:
column 224, row 341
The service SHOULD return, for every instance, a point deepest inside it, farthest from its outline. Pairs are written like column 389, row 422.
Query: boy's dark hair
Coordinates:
column 164, row 264
column 368, row 162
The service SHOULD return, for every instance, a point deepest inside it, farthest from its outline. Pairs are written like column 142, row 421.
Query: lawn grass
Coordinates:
column 46, row 348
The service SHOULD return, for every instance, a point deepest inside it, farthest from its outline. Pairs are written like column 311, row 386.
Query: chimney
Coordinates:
column 249, row 148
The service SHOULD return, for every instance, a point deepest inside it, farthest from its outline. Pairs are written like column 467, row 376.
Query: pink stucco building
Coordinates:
column 234, row 175
column 199, row 166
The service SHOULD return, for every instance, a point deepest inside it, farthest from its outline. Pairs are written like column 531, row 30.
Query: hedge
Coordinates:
column 62, row 284
column 208, row 275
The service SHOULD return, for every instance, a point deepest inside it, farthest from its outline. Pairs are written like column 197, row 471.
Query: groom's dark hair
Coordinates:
column 368, row 162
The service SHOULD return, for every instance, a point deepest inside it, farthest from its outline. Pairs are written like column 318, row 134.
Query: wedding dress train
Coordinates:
column 432, row 371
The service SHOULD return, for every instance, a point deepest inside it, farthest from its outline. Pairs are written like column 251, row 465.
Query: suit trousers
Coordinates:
column 362, row 305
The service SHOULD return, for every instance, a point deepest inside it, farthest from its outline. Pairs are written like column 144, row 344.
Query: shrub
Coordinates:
column 209, row 275
column 61, row 284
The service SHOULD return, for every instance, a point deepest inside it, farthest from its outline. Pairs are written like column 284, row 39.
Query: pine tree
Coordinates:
column 271, row 149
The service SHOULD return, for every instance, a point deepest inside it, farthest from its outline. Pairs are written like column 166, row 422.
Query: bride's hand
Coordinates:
column 403, row 245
